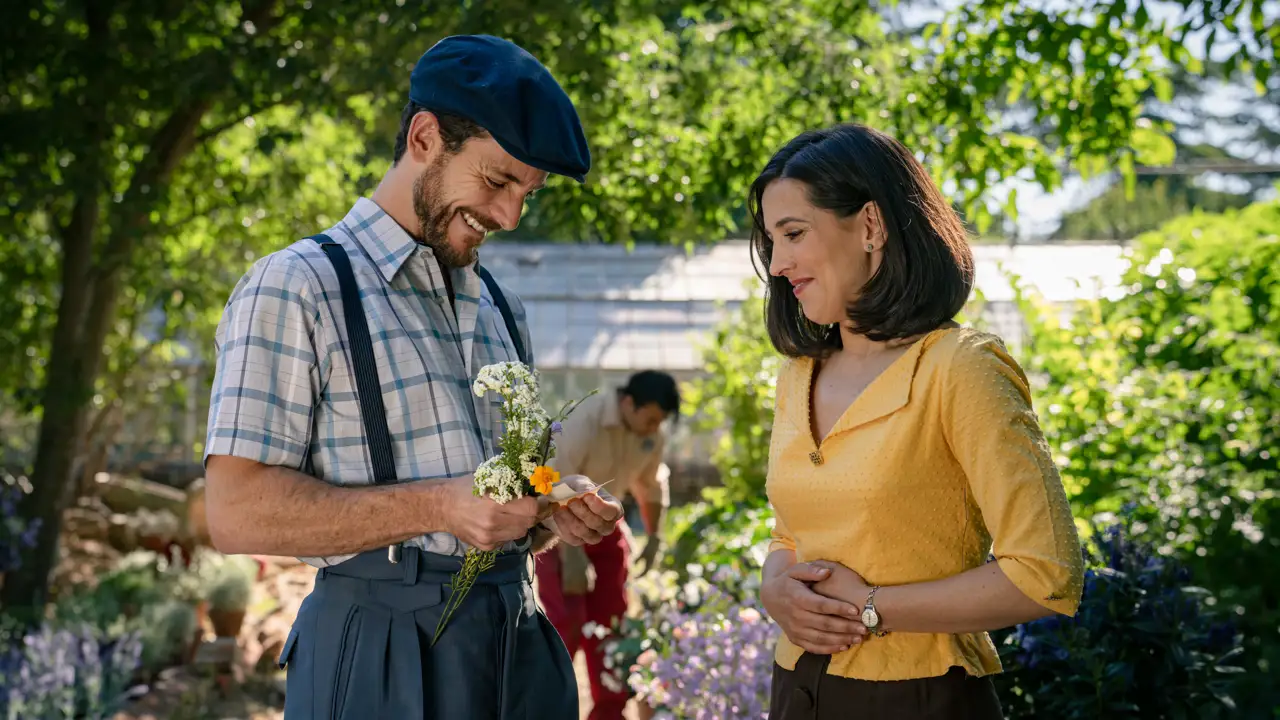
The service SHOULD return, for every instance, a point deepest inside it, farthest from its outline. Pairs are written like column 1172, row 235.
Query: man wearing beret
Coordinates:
column 343, row 429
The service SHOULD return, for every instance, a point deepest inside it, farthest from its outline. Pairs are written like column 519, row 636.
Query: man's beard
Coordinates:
column 434, row 216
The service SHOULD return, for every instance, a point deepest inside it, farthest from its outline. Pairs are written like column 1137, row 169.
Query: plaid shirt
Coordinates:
column 284, row 392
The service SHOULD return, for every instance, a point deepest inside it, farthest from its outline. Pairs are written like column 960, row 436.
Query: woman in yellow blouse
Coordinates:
column 905, row 450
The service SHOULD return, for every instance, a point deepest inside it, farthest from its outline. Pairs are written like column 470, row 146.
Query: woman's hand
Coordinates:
column 841, row 584
column 817, row 624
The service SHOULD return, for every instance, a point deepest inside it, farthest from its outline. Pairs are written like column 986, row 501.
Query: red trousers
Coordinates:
column 605, row 603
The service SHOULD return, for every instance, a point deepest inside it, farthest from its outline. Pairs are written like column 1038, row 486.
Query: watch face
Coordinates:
column 870, row 617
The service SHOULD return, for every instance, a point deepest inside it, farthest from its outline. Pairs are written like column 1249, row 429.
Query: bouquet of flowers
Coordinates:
column 520, row 469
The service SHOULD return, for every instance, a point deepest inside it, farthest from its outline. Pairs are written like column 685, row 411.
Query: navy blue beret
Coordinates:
column 505, row 90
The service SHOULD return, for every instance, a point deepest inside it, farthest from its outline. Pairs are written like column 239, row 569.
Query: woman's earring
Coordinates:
column 871, row 247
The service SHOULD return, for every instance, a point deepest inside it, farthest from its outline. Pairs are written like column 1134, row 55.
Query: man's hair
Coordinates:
column 927, row 269
column 455, row 130
column 652, row 386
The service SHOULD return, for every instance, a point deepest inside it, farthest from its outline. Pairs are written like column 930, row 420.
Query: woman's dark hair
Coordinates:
column 455, row 130
column 926, row 270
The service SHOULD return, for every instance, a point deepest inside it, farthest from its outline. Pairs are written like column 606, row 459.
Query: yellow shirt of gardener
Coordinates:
column 938, row 464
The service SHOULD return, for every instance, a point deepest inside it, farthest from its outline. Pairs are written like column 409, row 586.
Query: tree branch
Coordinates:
column 220, row 128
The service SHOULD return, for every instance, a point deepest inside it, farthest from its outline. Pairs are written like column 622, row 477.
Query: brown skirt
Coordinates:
column 809, row 693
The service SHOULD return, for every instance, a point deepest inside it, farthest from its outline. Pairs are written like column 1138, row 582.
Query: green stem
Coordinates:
column 473, row 563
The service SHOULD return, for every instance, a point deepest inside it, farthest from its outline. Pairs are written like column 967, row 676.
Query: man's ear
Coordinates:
column 423, row 142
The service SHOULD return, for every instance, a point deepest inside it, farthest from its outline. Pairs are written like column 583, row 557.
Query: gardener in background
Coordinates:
column 611, row 437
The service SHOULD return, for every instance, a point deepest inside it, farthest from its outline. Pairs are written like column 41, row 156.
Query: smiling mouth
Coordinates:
column 473, row 223
column 798, row 286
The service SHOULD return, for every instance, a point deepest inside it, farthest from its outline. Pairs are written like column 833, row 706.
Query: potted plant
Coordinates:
column 166, row 635
column 192, row 586
column 229, row 598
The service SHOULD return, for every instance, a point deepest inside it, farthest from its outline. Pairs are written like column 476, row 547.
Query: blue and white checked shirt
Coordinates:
column 284, row 392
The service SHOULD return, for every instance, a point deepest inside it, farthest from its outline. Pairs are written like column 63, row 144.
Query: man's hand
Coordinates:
column 818, row 624
column 587, row 519
column 649, row 555
column 482, row 522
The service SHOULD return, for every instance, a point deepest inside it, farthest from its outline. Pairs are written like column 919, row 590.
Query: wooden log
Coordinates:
column 128, row 495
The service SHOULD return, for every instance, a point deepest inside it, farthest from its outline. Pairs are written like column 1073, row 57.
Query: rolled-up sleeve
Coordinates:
column 993, row 432
column 267, row 377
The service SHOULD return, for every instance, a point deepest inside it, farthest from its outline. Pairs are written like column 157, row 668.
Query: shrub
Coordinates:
column 1144, row 644
column 1164, row 397
column 721, row 536
column 166, row 631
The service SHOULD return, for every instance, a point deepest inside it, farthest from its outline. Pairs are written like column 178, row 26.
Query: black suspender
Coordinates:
column 368, row 387
column 507, row 317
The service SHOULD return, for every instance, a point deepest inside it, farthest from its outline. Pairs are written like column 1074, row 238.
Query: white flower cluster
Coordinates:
column 512, row 380
column 503, row 476
column 495, row 479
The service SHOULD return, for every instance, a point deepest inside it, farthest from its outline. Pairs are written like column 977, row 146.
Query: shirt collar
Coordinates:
column 886, row 394
column 388, row 244
column 612, row 415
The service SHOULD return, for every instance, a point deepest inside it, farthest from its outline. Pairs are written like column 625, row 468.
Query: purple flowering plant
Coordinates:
column 66, row 672
column 17, row 535
column 697, row 644
column 716, row 662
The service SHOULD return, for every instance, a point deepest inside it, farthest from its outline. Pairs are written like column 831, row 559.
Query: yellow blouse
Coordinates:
column 939, row 455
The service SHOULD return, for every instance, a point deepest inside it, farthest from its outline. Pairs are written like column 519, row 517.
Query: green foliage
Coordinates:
column 720, row 537
column 1166, row 398
column 735, row 402
column 167, row 630
column 1112, row 216
column 735, row 398
column 291, row 112
column 140, row 580
column 150, row 597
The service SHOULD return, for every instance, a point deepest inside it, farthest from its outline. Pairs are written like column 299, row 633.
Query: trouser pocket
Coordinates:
column 342, row 672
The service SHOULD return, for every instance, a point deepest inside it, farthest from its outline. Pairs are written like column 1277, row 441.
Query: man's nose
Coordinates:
column 507, row 212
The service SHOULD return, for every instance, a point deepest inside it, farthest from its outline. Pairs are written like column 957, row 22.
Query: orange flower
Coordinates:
column 543, row 478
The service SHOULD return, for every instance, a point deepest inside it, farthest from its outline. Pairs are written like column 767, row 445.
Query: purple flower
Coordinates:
column 16, row 534
column 716, row 663
column 67, row 672
column 556, row 428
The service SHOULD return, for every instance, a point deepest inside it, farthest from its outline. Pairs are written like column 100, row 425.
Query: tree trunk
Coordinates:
column 67, row 391
column 85, row 315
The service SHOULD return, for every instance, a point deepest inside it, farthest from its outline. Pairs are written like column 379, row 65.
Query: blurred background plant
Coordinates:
column 1163, row 399
column 716, row 662
column 66, row 672
column 16, row 534
column 1144, row 644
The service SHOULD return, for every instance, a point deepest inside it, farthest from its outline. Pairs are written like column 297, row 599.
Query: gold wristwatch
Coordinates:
column 870, row 617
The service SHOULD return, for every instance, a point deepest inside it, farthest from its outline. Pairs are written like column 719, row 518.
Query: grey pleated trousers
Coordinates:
column 361, row 645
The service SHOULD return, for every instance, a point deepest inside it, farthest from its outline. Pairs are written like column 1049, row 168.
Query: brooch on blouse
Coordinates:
column 815, row 457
